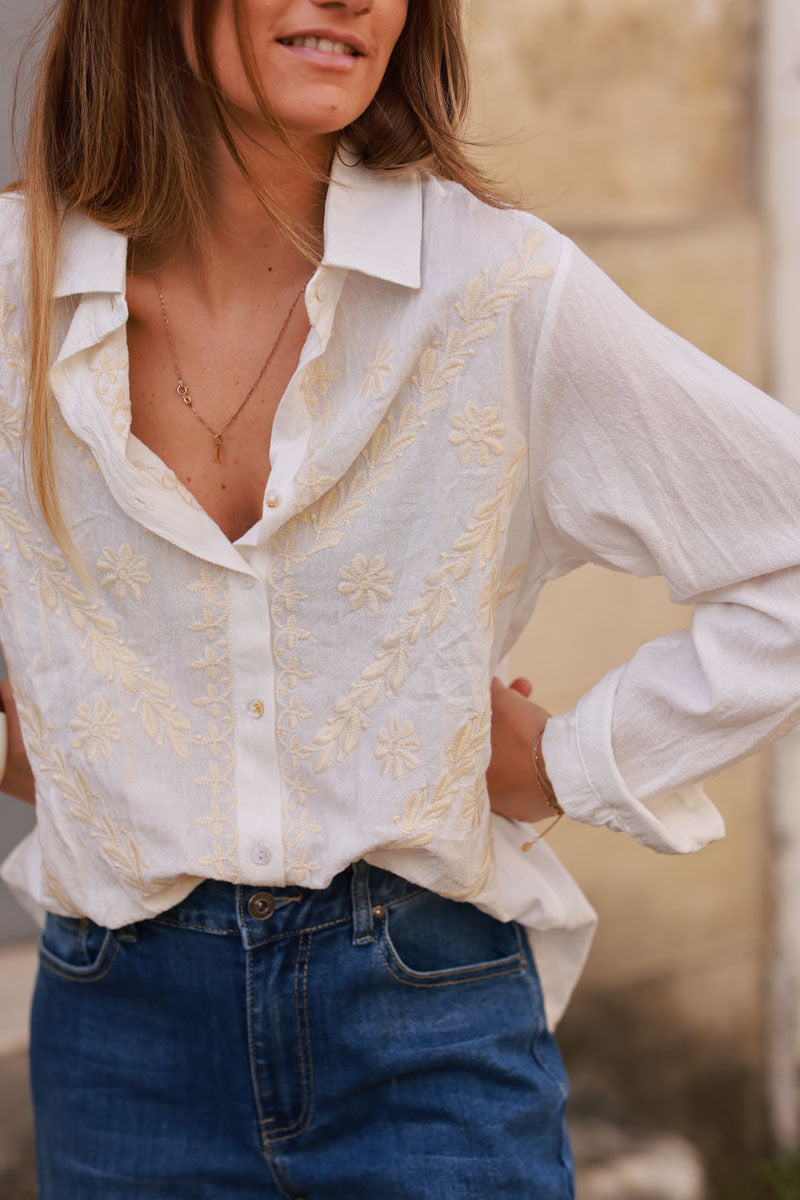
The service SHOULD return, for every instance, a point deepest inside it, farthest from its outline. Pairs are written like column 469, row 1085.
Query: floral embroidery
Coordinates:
column 477, row 432
column 110, row 379
column 119, row 848
column 109, row 653
column 11, row 348
column 316, row 386
column 397, row 749
column 123, row 571
column 498, row 587
column 10, row 426
column 4, row 590
column 94, row 732
column 366, row 583
column 387, row 672
column 437, row 366
column 218, row 739
column 378, row 370
column 426, row 807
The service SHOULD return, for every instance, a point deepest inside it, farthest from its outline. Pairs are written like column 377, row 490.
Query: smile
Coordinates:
column 322, row 44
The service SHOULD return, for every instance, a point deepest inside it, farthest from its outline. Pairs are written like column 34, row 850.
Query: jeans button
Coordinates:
column 379, row 912
column 261, row 905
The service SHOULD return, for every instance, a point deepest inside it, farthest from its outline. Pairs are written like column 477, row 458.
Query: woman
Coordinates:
column 308, row 418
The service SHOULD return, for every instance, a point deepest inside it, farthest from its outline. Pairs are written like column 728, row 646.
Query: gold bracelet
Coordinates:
column 544, row 782
column 549, row 794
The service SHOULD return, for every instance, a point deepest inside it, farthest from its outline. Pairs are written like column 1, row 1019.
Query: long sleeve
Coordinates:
column 649, row 457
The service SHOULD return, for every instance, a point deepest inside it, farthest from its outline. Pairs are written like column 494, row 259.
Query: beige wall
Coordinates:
column 635, row 123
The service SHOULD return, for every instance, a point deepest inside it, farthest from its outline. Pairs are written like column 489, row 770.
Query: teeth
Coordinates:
column 323, row 44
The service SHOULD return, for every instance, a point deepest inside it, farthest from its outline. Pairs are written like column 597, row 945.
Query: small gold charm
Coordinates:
column 218, row 444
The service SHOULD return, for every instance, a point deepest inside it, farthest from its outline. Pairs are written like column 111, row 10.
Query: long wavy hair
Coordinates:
column 114, row 129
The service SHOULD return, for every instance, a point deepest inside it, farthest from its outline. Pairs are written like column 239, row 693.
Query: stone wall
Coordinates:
column 631, row 126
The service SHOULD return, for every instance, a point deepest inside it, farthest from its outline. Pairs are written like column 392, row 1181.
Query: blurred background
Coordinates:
column 664, row 137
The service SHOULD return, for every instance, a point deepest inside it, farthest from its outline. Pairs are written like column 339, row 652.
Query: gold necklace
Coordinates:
column 183, row 390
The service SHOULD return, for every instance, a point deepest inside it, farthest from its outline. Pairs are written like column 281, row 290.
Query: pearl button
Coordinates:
column 272, row 499
column 247, row 581
column 262, row 855
column 322, row 289
column 256, row 709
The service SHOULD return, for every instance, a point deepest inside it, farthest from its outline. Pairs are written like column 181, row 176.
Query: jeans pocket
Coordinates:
column 428, row 940
column 76, row 948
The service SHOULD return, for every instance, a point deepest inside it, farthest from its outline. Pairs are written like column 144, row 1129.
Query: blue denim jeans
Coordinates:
column 369, row 1041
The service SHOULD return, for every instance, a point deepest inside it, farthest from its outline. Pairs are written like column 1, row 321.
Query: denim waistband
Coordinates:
column 264, row 914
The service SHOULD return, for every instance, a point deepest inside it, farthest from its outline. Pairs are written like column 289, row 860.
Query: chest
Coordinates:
column 216, row 436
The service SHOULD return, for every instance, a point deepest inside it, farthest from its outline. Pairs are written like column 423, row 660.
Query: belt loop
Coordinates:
column 362, row 909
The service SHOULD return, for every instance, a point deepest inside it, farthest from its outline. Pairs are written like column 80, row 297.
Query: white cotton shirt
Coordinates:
column 477, row 409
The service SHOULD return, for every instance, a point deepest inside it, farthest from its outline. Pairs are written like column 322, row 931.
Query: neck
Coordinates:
column 246, row 248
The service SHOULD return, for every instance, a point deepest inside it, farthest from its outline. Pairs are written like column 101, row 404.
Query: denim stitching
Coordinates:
column 301, row 1124
column 475, row 968
column 275, row 937
column 291, row 1131
column 93, row 977
column 191, row 925
column 445, row 982
column 303, row 1085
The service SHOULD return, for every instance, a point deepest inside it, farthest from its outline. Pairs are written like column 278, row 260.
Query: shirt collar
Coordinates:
column 373, row 224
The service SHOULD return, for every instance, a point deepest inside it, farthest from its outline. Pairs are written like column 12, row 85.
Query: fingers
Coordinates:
column 523, row 685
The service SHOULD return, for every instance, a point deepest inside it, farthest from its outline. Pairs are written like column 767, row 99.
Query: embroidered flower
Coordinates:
column 379, row 370
column 124, row 571
column 95, row 731
column 366, row 583
column 478, row 433
column 398, row 748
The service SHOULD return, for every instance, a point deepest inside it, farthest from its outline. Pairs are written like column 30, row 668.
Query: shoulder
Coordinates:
column 461, row 229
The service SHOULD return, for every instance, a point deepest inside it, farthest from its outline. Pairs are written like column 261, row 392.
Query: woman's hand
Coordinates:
column 18, row 777
column 514, row 789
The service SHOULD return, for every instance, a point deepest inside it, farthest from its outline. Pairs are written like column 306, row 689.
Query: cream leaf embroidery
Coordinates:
column 218, row 778
column 498, row 587
column 437, row 366
column 119, row 848
column 397, row 748
column 387, row 672
column 478, row 432
column 123, row 571
column 378, row 370
column 425, row 807
column 366, row 583
column 12, row 352
column 329, row 506
column 111, row 657
column 109, row 373
column 95, row 731
column 10, row 426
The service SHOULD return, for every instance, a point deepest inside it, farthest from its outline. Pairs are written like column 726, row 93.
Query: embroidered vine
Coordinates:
column 386, row 673
column 213, row 666
column 111, row 657
column 120, row 850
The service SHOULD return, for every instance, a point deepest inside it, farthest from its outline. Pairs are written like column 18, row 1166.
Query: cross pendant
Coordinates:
column 218, row 444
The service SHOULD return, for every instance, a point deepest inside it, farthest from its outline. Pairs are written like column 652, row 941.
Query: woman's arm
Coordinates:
column 649, row 457
column 17, row 778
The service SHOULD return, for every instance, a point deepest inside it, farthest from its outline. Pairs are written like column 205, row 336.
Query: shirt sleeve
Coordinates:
column 647, row 456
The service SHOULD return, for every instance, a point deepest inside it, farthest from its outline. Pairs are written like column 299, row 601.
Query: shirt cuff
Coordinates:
column 579, row 757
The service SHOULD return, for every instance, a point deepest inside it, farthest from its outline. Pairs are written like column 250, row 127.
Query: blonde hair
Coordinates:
column 114, row 129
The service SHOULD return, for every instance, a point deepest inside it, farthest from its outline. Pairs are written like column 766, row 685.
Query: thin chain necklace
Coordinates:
column 183, row 390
